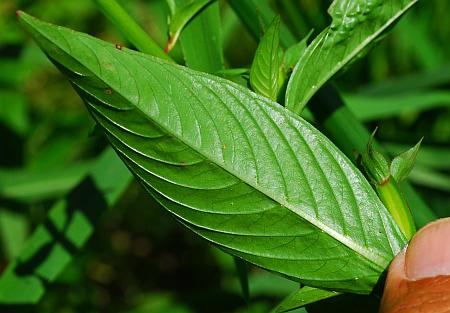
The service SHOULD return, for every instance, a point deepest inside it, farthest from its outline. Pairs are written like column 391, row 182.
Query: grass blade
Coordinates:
column 128, row 26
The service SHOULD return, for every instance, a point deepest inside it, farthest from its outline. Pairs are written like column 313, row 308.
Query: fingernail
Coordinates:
column 428, row 254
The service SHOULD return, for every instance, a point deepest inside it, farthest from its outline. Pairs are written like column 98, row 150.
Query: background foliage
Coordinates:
column 140, row 259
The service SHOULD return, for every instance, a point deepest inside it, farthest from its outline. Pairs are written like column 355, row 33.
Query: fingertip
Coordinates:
column 428, row 254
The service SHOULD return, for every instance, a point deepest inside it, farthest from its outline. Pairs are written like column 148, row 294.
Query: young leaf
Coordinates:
column 239, row 170
column 402, row 164
column 304, row 296
column 375, row 165
column 265, row 70
column 181, row 17
column 355, row 25
column 294, row 52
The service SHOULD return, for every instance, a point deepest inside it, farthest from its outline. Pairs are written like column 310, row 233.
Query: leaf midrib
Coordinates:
column 367, row 254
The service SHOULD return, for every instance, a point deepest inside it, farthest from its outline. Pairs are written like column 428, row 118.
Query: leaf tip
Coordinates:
column 19, row 13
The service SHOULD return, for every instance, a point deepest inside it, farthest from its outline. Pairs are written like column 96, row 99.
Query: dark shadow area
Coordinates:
column 15, row 308
column 86, row 199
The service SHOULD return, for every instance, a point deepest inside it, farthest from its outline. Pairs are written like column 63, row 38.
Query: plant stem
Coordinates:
column 392, row 197
column 131, row 30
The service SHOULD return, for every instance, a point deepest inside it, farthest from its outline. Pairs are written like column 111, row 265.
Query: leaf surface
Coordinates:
column 355, row 27
column 239, row 170
column 304, row 296
column 402, row 164
column 294, row 52
column 201, row 40
column 181, row 16
column 265, row 70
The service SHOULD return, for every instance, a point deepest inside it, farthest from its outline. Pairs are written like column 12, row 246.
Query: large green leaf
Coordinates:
column 355, row 26
column 236, row 168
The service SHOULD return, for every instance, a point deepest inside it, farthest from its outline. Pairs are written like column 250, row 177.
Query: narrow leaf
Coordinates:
column 239, row 170
column 264, row 73
column 294, row 52
column 181, row 17
column 304, row 296
column 201, row 40
column 434, row 157
column 355, row 26
column 425, row 176
column 32, row 185
column 253, row 12
column 128, row 26
column 374, row 164
column 242, row 271
column 402, row 164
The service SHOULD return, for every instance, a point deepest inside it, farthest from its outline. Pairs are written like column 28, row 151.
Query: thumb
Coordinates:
column 419, row 278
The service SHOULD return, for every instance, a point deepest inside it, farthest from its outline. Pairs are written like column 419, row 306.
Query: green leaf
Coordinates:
column 265, row 70
column 425, row 176
column 255, row 12
column 201, row 40
column 304, row 296
column 14, row 111
column 181, row 17
column 337, row 121
column 355, row 26
column 435, row 157
column 375, row 165
column 31, row 185
column 402, row 164
column 294, row 52
column 237, row 169
column 131, row 30
column 375, row 107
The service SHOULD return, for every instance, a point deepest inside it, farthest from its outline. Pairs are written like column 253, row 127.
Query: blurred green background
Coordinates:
column 140, row 259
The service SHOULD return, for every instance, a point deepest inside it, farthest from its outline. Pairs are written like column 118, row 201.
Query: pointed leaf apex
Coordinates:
column 265, row 69
column 402, row 164
column 374, row 164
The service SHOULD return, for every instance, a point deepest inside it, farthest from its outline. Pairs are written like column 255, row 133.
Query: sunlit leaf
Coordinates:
column 237, row 169
column 355, row 26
